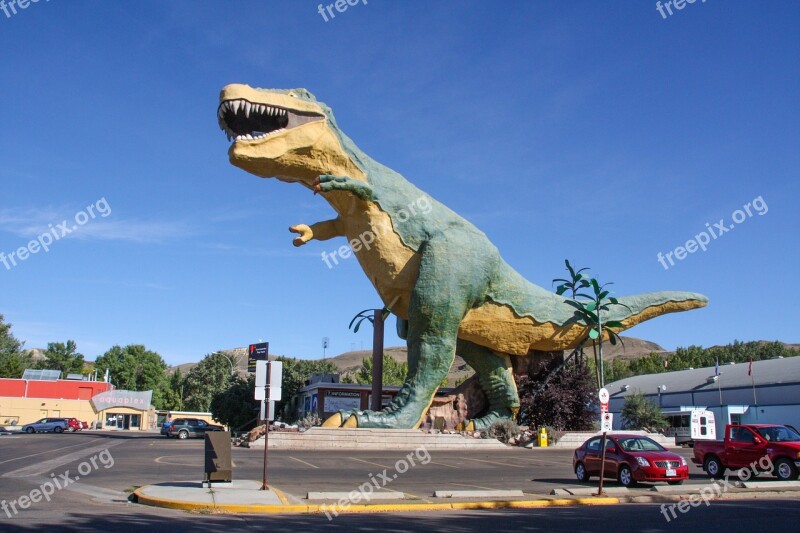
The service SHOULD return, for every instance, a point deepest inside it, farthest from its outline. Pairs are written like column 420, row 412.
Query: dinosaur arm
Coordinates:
column 322, row 231
column 328, row 183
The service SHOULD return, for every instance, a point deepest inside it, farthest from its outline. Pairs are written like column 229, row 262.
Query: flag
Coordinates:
column 716, row 368
column 750, row 368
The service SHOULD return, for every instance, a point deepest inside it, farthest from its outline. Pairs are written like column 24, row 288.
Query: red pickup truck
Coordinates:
column 758, row 447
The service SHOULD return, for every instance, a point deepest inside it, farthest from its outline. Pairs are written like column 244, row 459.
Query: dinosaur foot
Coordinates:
column 485, row 422
column 373, row 419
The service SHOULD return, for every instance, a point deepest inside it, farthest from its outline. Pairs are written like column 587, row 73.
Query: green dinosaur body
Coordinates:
column 439, row 274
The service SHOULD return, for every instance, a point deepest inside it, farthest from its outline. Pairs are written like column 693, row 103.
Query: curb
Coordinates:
column 366, row 508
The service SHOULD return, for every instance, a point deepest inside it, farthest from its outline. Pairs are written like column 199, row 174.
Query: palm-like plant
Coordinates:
column 589, row 308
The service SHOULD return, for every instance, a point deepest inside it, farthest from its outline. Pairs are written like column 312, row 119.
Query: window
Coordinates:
column 739, row 434
column 593, row 445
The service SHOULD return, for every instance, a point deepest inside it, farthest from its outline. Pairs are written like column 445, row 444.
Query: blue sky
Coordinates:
column 595, row 131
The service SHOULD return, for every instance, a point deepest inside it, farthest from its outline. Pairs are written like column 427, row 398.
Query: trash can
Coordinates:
column 218, row 457
column 543, row 438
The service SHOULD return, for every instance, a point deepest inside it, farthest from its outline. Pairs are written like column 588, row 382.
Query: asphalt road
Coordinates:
column 110, row 465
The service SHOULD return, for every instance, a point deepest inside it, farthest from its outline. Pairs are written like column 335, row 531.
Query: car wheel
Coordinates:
column 676, row 482
column 784, row 470
column 581, row 473
column 59, row 429
column 714, row 468
column 625, row 476
column 30, row 430
column 183, row 434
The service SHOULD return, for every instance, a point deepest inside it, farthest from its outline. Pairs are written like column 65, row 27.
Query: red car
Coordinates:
column 630, row 459
column 73, row 424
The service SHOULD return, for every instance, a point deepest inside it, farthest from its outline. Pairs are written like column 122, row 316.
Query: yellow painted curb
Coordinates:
column 367, row 508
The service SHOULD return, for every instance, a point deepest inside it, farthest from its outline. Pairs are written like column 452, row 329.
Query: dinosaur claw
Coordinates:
column 351, row 422
column 334, row 421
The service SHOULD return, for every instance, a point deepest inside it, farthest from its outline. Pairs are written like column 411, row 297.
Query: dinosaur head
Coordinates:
column 281, row 133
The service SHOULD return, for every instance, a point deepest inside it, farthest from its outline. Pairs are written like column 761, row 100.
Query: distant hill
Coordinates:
column 350, row 362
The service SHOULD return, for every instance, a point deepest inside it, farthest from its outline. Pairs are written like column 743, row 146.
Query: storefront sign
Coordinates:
column 122, row 398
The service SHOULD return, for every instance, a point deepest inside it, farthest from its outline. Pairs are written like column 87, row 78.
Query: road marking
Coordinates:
column 474, row 486
column 485, row 461
column 368, row 462
column 52, row 464
column 41, row 453
column 443, row 464
column 301, row 461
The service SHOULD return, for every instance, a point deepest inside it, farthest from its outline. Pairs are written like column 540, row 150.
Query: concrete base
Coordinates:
column 589, row 491
column 478, row 494
column 182, row 495
column 573, row 439
column 318, row 438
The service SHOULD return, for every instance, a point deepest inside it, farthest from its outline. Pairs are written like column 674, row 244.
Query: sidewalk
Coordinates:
column 246, row 497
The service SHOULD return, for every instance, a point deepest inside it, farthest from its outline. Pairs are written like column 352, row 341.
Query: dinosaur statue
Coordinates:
column 441, row 276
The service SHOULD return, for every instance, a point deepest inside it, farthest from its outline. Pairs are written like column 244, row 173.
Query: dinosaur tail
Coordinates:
column 638, row 308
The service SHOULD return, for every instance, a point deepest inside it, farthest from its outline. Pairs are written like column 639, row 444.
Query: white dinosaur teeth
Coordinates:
column 236, row 104
column 247, row 107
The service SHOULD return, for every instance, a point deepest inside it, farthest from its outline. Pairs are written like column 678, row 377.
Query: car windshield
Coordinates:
column 640, row 444
column 779, row 434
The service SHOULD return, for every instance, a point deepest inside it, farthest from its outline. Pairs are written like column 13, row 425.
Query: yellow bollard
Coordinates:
column 543, row 438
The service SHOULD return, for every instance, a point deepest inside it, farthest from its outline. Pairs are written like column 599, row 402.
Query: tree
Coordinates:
column 641, row 413
column 394, row 372
column 235, row 406
column 170, row 392
column 13, row 359
column 210, row 376
column 63, row 357
column 295, row 374
column 133, row 367
column 565, row 401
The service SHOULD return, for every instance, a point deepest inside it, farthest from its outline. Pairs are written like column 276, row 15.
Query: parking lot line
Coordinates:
column 42, row 453
column 485, row 461
column 473, row 486
column 368, row 462
column 301, row 461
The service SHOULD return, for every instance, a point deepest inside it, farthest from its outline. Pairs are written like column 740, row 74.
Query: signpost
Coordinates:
column 268, row 389
column 605, row 427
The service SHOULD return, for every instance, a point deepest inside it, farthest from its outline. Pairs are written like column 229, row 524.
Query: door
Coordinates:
column 591, row 457
column 742, row 449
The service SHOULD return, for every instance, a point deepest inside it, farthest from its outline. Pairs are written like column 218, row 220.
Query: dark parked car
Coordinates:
column 183, row 428
column 630, row 459
column 58, row 425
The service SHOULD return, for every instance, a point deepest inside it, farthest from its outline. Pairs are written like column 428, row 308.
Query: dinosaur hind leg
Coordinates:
column 497, row 381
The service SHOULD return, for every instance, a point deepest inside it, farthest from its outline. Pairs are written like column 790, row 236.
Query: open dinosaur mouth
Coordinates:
column 242, row 120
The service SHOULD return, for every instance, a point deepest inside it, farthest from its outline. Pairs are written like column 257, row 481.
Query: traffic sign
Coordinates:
column 606, row 422
column 269, row 388
column 256, row 352
column 603, row 395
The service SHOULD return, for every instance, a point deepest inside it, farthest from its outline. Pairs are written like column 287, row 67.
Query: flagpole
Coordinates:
column 753, row 382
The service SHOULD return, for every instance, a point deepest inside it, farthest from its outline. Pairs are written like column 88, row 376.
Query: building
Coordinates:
column 325, row 396
column 767, row 393
column 41, row 394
